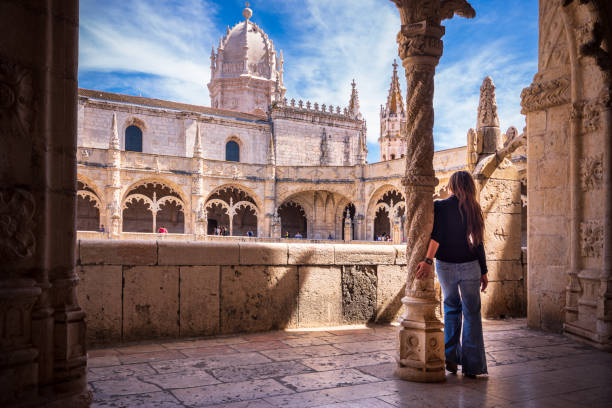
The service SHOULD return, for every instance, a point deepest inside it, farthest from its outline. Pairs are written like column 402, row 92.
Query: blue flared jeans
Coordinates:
column 460, row 284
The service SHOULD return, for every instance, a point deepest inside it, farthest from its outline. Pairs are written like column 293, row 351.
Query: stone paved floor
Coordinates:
column 345, row 369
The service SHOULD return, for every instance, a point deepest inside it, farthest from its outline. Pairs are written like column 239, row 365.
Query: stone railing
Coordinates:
column 314, row 107
column 134, row 290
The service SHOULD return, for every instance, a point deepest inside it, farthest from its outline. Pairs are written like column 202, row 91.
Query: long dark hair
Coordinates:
column 461, row 184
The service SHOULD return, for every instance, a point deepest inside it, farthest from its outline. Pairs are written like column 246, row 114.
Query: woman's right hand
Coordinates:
column 423, row 270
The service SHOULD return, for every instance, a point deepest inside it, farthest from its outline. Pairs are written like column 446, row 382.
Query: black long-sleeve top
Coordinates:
column 449, row 230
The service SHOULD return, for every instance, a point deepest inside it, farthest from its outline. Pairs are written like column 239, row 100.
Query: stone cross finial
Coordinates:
column 247, row 12
column 114, row 141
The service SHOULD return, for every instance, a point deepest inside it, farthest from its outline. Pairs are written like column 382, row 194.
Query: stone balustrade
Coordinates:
column 134, row 290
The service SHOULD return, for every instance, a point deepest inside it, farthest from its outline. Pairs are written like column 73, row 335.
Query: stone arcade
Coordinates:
column 569, row 122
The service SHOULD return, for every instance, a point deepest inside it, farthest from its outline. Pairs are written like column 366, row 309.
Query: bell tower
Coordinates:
column 393, row 122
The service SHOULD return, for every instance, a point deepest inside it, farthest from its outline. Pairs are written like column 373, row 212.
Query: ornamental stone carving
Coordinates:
column 543, row 95
column 591, row 239
column 17, row 208
column 591, row 172
column 487, row 107
column 16, row 99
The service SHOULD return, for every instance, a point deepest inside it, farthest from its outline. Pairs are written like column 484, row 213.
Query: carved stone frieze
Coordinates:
column 591, row 238
column 591, row 172
column 543, row 95
column 16, row 99
column 17, row 208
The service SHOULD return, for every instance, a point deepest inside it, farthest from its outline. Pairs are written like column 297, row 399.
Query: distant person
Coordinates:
column 330, row 237
column 250, row 233
column 457, row 244
column 101, row 228
column 225, row 232
column 162, row 230
column 298, row 235
column 287, row 234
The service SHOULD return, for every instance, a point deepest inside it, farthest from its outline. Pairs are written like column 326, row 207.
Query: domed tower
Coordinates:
column 245, row 73
column 392, row 138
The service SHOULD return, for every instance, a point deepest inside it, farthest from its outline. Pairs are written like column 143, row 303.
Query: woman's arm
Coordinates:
column 424, row 268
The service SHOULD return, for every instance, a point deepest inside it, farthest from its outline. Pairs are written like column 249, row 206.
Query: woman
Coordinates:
column 456, row 243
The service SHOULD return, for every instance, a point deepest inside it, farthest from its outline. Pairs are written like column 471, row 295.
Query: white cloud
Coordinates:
column 457, row 89
column 167, row 41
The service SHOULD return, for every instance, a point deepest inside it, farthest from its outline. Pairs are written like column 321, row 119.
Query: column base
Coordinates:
column 421, row 343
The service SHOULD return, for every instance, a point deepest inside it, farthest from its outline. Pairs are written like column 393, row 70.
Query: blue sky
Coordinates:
column 161, row 49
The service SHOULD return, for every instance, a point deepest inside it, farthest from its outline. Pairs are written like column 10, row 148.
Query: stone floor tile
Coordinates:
column 272, row 336
column 213, row 341
column 365, row 330
column 303, row 399
column 160, row 399
column 364, row 346
column 327, row 379
column 562, row 350
column 546, row 402
column 207, row 351
column 259, row 346
column 210, row 362
column 105, row 361
column 539, row 341
column 508, row 334
column 591, row 397
column 440, row 396
column 347, row 361
column 297, row 353
column 354, row 338
column 259, row 371
column 258, row 403
column 183, row 379
column 363, row 391
column 525, row 387
column 305, row 341
column 366, row 403
column 500, row 345
column 512, row 356
column 150, row 357
column 140, row 348
column 92, row 353
column 119, row 372
column 230, row 392
column 383, row 371
column 125, row 386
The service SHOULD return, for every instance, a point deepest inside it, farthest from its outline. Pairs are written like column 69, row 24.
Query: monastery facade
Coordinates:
column 253, row 162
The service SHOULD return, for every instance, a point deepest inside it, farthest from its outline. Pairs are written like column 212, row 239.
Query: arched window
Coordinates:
column 133, row 139
column 232, row 151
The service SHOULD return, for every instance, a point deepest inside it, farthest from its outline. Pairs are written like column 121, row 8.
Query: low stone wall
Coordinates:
column 135, row 290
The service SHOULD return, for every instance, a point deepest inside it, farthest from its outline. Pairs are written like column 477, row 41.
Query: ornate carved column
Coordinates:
column 199, row 213
column 113, row 188
column 421, row 353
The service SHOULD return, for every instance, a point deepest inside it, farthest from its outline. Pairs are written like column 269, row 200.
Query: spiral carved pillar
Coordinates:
column 421, row 337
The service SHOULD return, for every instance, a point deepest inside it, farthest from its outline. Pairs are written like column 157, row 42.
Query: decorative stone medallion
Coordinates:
column 17, row 208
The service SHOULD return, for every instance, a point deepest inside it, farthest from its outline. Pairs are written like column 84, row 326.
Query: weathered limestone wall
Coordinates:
column 147, row 289
column 569, row 123
column 171, row 133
